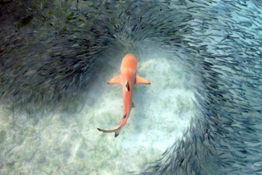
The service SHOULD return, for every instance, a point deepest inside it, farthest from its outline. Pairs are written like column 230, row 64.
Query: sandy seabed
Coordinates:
column 71, row 144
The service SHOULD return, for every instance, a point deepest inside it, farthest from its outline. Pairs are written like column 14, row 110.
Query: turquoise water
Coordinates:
column 70, row 143
column 200, row 115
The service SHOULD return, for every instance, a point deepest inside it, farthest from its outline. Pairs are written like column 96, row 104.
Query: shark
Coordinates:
column 128, row 78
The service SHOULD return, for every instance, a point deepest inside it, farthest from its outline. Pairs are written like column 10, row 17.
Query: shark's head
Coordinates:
column 129, row 63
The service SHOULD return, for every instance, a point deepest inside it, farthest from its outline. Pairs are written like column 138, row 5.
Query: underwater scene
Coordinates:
column 139, row 87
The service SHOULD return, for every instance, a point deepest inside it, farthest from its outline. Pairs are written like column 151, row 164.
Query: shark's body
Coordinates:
column 127, row 79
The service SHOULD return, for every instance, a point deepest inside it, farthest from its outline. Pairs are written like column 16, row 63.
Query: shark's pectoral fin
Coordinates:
column 140, row 80
column 115, row 80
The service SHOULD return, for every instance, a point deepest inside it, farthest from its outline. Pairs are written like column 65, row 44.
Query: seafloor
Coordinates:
column 200, row 115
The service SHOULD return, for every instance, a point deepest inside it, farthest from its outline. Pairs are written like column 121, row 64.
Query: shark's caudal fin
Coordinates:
column 115, row 80
column 116, row 130
column 140, row 80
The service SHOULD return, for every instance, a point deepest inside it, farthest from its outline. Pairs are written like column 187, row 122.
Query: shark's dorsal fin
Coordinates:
column 140, row 80
column 115, row 80
column 127, row 86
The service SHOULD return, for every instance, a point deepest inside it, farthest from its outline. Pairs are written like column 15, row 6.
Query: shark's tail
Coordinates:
column 116, row 130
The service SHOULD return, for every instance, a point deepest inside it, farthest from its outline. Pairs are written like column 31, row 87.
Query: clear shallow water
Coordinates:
column 202, row 109
column 70, row 143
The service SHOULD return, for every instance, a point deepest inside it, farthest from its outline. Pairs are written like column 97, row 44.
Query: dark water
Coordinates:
column 200, row 115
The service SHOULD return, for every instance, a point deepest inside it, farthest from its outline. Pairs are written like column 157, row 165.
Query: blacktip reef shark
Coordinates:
column 127, row 79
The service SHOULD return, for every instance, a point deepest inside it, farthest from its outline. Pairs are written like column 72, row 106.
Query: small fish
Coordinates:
column 127, row 79
column 25, row 21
